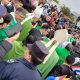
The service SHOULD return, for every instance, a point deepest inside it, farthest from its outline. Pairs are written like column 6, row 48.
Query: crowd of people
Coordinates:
column 22, row 45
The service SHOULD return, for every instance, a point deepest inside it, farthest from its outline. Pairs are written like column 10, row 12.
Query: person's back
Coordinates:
column 18, row 47
column 20, row 70
column 25, row 68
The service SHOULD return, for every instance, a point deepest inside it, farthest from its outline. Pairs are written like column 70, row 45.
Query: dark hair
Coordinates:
column 35, row 61
column 62, row 70
column 69, row 47
column 74, row 43
column 27, row 5
column 39, row 23
column 46, row 26
column 78, row 18
column 7, row 18
column 33, row 23
column 50, row 35
column 69, row 31
column 43, row 18
column 70, row 59
column 52, row 9
column 22, row 10
column 34, row 35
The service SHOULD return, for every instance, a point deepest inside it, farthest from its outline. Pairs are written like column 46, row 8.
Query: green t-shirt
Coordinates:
column 70, row 39
column 46, row 39
column 27, row 26
column 62, row 53
column 38, row 27
column 3, row 34
column 17, row 51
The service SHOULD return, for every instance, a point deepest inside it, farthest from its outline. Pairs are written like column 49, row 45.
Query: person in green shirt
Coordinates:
column 18, row 47
column 8, row 23
column 39, row 25
column 45, row 29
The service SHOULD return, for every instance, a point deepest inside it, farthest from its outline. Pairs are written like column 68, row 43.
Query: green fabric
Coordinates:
column 17, row 51
column 46, row 39
column 62, row 53
column 38, row 27
column 57, row 58
column 48, row 66
column 27, row 26
column 70, row 39
column 3, row 34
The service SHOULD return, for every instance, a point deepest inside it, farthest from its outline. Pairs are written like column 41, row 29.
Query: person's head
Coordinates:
column 60, row 14
column 20, row 14
column 69, row 31
column 55, row 7
column 6, row 20
column 39, row 23
column 70, row 60
column 52, row 9
column 34, row 35
column 63, row 70
column 78, row 19
column 36, row 53
column 48, row 18
column 5, row 2
column 45, row 29
column 5, row 17
column 28, row 6
column 46, row 6
column 42, row 2
column 34, row 2
column 69, row 47
column 17, row 3
column 74, row 43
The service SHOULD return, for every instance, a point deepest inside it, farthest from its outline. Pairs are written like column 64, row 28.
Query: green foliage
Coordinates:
column 66, row 10
column 56, row 1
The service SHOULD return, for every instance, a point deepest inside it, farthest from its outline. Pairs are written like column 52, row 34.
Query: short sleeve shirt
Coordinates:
column 3, row 33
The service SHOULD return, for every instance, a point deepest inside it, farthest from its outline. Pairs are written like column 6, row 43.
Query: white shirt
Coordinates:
column 13, row 14
column 64, row 44
column 77, row 60
column 78, row 24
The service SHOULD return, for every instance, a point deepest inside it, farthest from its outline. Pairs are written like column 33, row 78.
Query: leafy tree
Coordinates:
column 56, row 1
column 66, row 10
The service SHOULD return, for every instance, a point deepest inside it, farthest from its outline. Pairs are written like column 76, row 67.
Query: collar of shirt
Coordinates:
column 27, row 64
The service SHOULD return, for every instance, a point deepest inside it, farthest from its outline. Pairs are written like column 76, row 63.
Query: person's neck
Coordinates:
column 27, row 59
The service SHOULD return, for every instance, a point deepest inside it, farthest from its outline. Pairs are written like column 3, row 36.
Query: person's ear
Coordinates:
column 27, row 55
